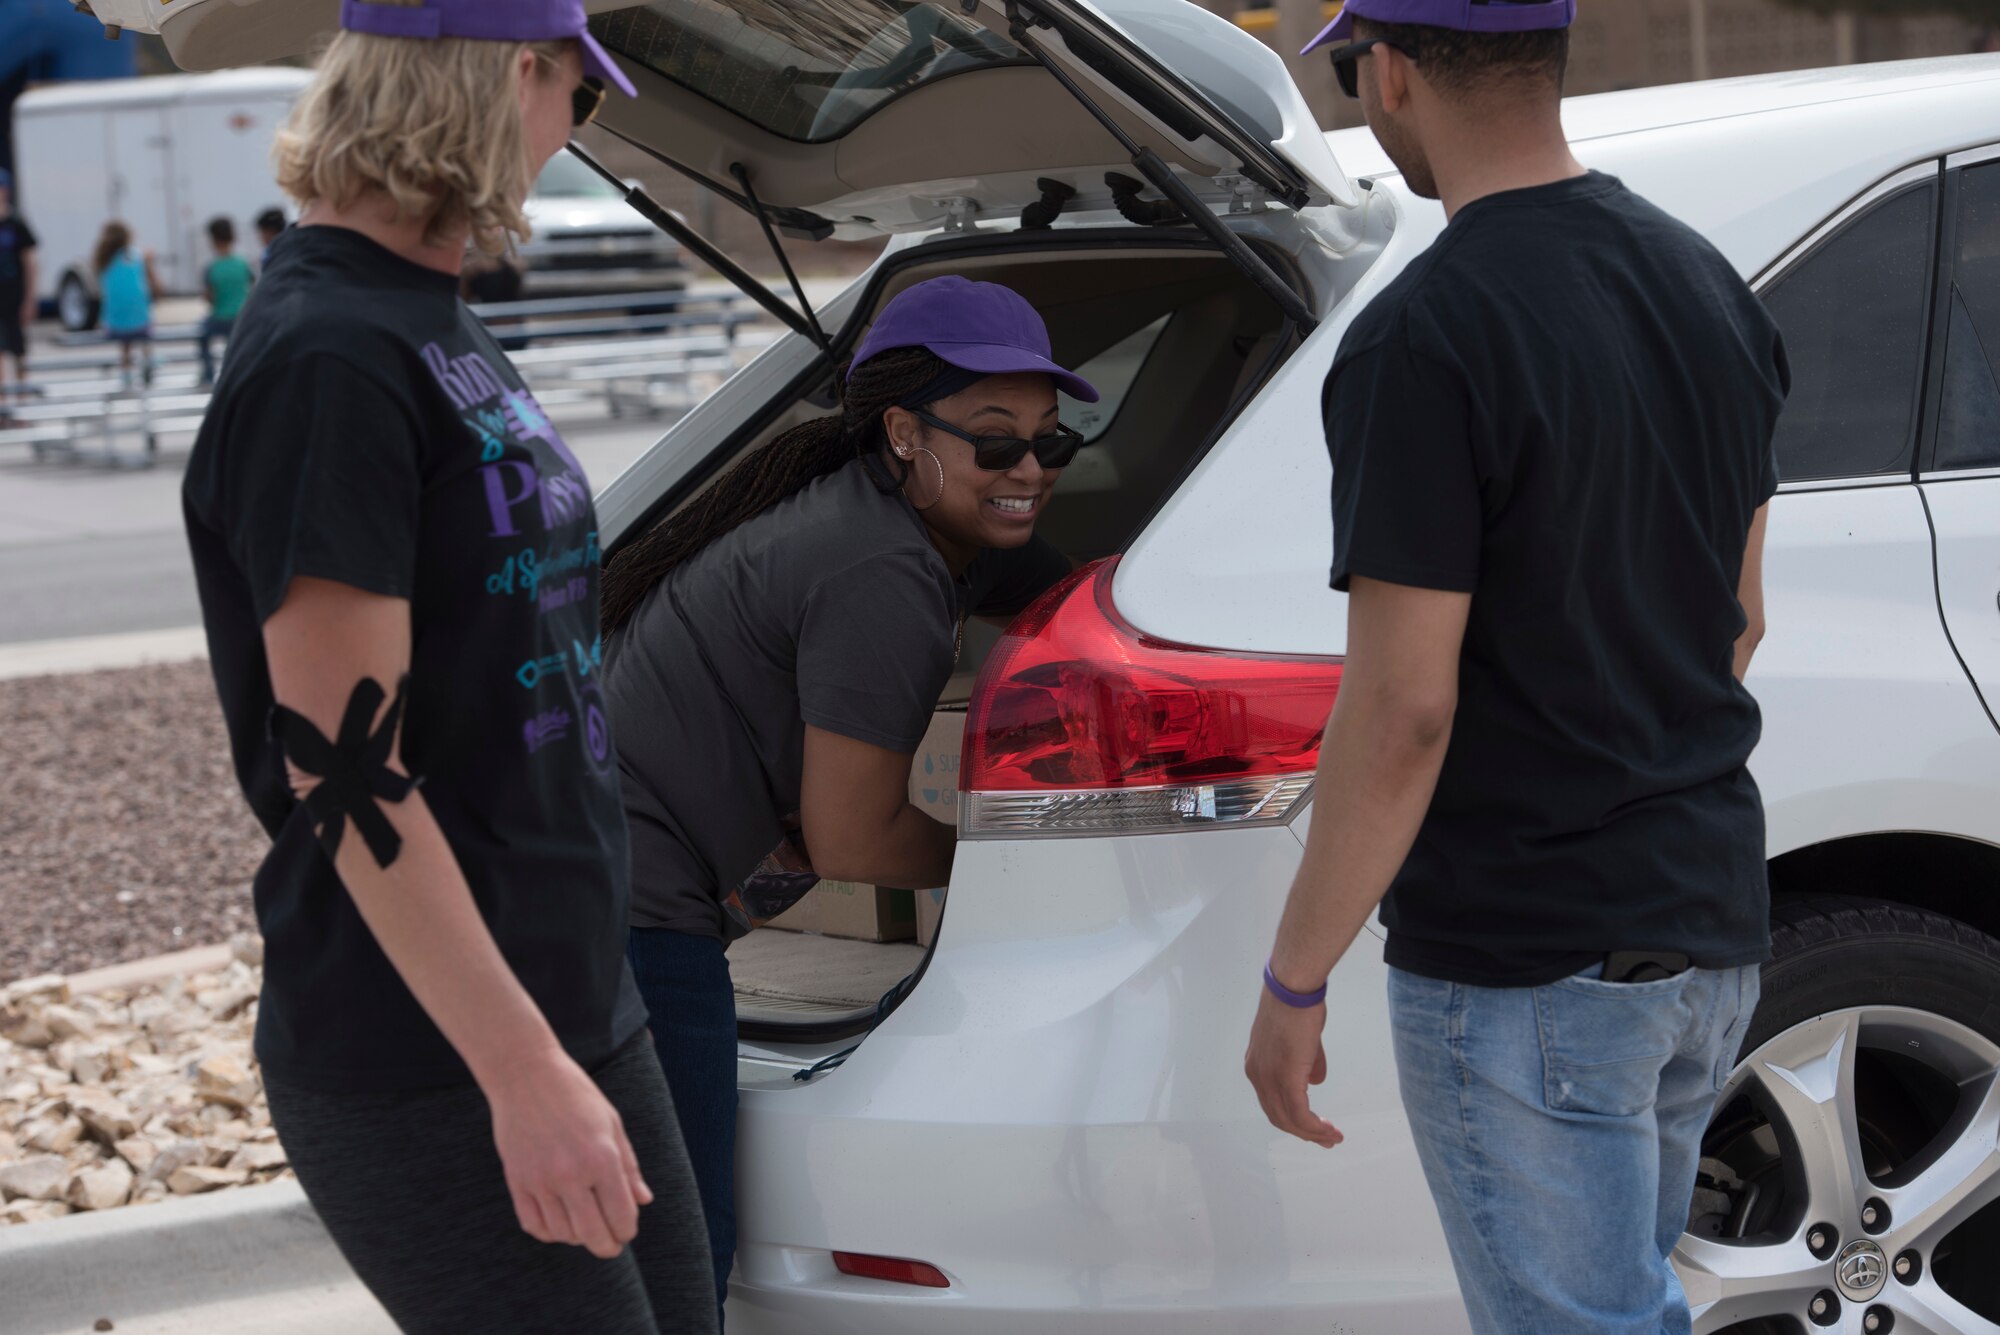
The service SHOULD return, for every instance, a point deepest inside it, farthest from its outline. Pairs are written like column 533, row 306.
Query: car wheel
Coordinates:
column 76, row 304
column 1850, row 1177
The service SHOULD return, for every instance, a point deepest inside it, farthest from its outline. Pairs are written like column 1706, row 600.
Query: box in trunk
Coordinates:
column 846, row 908
column 934, row 790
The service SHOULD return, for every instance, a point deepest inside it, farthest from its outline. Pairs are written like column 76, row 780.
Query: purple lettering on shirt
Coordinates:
column 501, row 505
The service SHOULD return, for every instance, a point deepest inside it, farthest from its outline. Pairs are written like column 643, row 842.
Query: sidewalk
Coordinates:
column 251, row 1261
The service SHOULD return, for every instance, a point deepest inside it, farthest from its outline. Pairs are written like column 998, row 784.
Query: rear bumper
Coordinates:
column 1057, row 1119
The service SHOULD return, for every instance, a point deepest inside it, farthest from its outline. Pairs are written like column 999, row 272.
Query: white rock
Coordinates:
column 138, row 1151
column 51, row 1136
column 25, row 1028
column 103, row 1115
column 191, row 1181
column 44, row 988
column 41, row 1178
column 66, row 1022
column 259, row 1158
column 101, row 1188
column 226, row 1003
column 32, row 1212
column 221, row 1078
column 248, row 948
column 174, row 1156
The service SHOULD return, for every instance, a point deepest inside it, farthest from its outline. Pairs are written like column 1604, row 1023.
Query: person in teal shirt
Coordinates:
column 125, row 286
column 228, row 279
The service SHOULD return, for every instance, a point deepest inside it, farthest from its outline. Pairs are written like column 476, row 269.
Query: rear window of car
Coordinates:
column 809, row 70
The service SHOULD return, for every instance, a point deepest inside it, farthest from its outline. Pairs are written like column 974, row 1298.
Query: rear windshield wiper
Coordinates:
column 708, row 253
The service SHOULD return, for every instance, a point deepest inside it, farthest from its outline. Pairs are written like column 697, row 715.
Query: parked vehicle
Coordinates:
column 163, row 155
column 1051, row 1132
column 587, row 238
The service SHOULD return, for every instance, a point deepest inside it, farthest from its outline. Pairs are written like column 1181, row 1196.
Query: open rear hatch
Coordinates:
column 857, row 117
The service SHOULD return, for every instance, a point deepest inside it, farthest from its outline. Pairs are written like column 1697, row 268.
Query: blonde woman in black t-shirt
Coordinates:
column 453, row 1048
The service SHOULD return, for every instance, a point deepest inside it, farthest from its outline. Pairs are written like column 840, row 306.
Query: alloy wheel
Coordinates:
column 1849, row 1182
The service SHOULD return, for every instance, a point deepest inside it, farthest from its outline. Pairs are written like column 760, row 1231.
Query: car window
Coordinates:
column 810, row 70
column 1969, row 416
column 1852, row 313
column 1111, row 373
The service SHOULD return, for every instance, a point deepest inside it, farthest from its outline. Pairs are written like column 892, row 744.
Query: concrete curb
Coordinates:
column 42, row 658
column 154, row 969
column 63, row 1274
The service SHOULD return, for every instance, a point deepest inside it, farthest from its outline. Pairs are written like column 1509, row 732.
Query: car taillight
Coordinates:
column 1080, row 722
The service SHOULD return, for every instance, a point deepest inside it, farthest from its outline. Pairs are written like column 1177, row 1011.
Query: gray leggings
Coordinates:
column 411, row 1188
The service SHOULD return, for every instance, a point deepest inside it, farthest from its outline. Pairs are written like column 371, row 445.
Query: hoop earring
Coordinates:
column 940, row 474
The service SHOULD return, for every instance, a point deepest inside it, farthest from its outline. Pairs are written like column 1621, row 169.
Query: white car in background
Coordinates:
column 587, row 238
column 1049, row 1131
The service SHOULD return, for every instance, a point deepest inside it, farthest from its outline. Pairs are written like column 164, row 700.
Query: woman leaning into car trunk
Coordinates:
column 776, row 649
column 451, row 1042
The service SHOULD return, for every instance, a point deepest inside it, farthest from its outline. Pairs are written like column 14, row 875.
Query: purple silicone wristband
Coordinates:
column 1296, row 1000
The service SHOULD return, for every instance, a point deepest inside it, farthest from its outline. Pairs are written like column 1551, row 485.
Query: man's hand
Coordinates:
column 1285, row 1056
column 569, row 1165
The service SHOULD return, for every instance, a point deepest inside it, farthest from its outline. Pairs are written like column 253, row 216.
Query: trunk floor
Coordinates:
column 803, row 974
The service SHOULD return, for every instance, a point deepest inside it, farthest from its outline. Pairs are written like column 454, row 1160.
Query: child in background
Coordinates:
column 270, row 226
column 227, row 280
column 125, row 285
column 17, row 288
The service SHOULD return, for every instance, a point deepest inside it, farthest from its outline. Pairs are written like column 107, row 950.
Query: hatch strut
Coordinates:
column 706, row 250
column 1151, row 166
column 742, row 175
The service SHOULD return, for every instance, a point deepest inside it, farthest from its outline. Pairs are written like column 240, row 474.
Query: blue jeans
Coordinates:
column 684, row 980
column 212, row 328
column 1559, row 1129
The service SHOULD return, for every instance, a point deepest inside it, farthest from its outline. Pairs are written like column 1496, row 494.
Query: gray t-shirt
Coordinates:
column 833, row 609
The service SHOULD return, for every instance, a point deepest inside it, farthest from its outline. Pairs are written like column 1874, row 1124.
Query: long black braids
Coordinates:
column 786, row 465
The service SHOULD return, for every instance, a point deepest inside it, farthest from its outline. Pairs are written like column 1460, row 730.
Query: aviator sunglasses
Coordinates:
column 997, row 454
column 585, row 102
column 1346, row 61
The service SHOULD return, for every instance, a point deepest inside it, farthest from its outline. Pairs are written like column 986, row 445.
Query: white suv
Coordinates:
column 1046, row 1129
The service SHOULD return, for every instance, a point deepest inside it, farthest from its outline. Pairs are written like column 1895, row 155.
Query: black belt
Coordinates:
column 1643, row 966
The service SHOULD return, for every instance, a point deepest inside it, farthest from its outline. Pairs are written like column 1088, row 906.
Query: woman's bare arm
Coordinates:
column 572, row 1171
column 854, row 805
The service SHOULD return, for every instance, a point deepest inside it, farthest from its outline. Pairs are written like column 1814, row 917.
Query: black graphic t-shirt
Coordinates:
column 367, row 429
column 16, row 238
column 1564, row 408
column 830, row 609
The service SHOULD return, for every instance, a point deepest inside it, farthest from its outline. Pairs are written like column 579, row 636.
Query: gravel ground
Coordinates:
column 122, row 831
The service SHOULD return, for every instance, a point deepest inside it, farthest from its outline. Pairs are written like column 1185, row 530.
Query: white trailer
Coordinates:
column 162, row 155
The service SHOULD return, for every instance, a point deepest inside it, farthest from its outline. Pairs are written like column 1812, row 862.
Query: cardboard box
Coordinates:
column 859, row 912
column 934, row 769
column 934, row 777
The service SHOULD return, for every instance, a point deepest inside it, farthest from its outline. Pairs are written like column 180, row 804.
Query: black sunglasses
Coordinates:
column 585, row 102
column 997, row 454
column 1346, row 61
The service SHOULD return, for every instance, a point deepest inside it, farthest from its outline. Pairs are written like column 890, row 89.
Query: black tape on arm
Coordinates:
column 353, row 772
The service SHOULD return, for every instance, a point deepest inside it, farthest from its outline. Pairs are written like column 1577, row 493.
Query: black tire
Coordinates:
column 1830, row 952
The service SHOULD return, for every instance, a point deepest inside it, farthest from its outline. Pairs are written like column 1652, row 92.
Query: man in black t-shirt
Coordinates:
column 17, row 287
column 1551, row 441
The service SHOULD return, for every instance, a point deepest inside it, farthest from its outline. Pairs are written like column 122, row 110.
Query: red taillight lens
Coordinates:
column 1074, row 699
column 891, row 1268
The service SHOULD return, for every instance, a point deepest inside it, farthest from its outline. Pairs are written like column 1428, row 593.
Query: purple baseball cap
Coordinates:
column 981, row 327
column 1464, row 15
column 489, row 21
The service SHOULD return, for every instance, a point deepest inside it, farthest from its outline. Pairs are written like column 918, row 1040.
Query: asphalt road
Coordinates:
column 89, row 550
